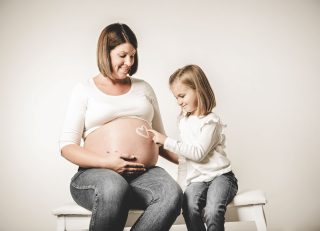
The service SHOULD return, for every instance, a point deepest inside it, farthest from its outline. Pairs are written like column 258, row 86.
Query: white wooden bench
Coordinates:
column 246, row 206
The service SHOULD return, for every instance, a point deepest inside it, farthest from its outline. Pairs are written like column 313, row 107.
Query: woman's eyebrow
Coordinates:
column 126, row 52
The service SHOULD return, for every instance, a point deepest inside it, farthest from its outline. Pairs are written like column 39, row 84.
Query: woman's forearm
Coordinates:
column 83, row 158
column 169, row 155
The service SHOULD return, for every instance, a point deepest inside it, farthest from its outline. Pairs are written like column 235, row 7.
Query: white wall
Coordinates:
column 262, row 58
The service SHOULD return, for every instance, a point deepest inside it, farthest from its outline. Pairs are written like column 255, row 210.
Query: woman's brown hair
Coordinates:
column 110, row 37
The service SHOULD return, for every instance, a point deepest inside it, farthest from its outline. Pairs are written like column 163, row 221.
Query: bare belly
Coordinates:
column 127, row 136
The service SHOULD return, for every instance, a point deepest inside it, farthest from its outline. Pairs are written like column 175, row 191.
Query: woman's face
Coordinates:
column 186, row 97
column 122, row 58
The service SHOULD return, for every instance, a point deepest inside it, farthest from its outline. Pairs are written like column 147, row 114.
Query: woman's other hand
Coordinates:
column 158, row 138
column 123, row 163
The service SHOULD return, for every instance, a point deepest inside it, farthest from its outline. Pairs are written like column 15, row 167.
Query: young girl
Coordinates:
column 210, row 183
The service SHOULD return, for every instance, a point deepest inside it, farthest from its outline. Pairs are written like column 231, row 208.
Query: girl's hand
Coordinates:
column 123, row 163
column 158, row 138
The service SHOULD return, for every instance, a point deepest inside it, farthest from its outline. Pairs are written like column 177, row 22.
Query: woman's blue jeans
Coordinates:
column 206, row 202
column 110, row 195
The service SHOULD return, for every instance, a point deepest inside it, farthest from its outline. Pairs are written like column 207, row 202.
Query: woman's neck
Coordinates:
column 113, row 86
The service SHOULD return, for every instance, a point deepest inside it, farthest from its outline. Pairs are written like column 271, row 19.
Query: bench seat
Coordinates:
column 246, row 206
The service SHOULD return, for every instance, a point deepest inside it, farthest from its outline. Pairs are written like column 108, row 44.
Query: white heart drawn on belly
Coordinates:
column 142, row 131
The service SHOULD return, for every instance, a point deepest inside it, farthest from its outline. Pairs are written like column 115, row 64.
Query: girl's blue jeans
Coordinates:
column 205, row 203
column 110, row 195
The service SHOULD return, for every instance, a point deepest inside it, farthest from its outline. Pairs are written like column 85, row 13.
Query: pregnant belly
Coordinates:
column 127, row 136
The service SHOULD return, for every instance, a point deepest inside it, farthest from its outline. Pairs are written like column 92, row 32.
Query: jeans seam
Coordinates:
column 94, row 208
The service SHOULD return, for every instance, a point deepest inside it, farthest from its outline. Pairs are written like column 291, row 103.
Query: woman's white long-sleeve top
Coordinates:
column 89, row 108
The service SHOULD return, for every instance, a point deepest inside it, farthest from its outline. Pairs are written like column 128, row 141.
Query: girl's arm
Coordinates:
column 198, row 149
column 159, row 139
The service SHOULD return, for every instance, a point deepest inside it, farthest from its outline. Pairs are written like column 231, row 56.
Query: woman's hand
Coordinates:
column 123, row 163
column 158, row 138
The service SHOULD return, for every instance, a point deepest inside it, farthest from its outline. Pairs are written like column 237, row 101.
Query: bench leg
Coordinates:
column 260, row 218
column 253, row 213
column 61, row 223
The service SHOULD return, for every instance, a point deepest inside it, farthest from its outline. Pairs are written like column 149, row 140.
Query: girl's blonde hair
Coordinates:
column 193, row 77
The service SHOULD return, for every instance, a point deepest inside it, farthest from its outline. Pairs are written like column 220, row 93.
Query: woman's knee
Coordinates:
column 169, row 194
column 112, row 190
column 99, row 186
column 214, row 212
column 174, row 196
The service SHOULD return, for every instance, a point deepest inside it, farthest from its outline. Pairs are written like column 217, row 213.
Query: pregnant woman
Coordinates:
column 111, row 114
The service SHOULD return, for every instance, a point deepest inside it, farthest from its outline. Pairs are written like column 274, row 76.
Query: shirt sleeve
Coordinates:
column 75, row 116
column 209, row 137
column 156, row 120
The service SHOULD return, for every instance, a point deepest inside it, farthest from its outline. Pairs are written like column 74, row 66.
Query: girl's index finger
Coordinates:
column 151, row 131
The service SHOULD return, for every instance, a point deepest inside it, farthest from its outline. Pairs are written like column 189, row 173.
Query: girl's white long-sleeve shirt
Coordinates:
column 202, row 145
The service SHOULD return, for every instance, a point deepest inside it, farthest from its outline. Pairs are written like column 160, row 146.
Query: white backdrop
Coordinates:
column 262, row 59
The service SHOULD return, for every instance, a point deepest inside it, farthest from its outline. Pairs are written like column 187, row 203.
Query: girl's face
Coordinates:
column 122, row 58
column 186, row 97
